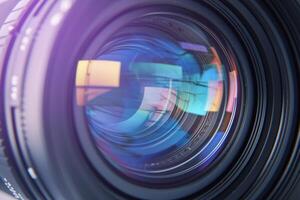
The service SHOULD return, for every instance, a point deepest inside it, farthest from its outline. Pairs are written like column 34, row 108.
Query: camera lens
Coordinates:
column 149, row 99
column 160, row 105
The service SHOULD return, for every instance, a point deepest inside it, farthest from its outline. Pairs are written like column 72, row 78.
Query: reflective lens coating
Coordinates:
column 159, row 105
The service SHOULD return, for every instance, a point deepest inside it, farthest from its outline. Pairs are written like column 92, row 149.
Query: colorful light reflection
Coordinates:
column 144, row 101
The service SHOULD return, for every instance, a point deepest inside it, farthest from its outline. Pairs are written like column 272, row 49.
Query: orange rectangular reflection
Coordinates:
column 215, row 96
column 94, row 77
column 233, row 91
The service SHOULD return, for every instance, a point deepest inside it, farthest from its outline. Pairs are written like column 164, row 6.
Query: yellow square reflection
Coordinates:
column 98, row 73
column 93, row 75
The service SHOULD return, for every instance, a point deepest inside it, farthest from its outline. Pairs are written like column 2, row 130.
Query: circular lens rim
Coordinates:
column 62, row 132
column 219, row 126
column 112, row 176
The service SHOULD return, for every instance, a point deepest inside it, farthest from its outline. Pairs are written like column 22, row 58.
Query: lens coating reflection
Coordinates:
column 156, row 106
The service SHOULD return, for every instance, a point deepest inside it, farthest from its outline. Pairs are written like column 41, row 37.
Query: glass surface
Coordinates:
column 159, row 108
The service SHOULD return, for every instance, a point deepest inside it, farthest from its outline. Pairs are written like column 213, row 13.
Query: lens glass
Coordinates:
column 158, row 99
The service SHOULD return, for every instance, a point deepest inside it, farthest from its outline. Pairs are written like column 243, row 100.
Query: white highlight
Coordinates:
column 64, row 7
column 28, row 31
column 11, row 28
column 32, row 173
column 14, row 88
column 56, row 19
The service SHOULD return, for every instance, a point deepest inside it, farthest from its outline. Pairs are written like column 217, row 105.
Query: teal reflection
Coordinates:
column 158, row 78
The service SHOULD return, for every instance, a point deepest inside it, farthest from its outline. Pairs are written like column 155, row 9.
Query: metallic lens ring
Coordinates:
column 161, row 114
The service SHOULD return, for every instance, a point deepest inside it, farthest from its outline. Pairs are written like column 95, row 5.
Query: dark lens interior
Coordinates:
column 159, row 101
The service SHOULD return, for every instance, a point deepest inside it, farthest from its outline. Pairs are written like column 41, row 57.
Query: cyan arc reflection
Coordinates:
column 161, row 82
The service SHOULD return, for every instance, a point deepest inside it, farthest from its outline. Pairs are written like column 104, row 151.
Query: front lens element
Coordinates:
column 159, row 104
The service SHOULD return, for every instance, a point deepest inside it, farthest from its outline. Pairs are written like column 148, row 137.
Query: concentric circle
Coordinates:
column 160, row 98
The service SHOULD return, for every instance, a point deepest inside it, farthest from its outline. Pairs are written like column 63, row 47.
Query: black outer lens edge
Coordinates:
column 296, row 113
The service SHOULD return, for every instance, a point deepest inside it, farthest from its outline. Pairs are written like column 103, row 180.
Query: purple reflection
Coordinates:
column 193, row 47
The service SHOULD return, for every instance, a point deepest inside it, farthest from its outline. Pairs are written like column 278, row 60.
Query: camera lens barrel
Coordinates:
column 12, row 12
column 149, row 99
